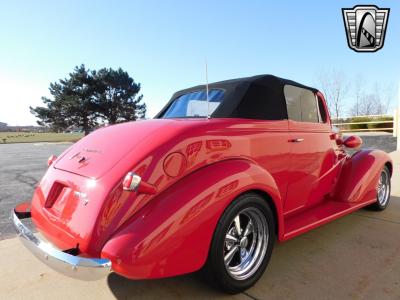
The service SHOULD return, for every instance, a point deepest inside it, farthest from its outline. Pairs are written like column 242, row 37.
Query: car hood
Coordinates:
column 97, row 153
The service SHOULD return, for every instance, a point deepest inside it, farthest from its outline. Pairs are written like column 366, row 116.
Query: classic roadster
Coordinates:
column 209, row 184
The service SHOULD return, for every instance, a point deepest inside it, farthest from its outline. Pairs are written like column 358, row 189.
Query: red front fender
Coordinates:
column 171, row 235
column 359, row 176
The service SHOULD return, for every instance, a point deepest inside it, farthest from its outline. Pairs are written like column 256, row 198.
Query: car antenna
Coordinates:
column 208, row 100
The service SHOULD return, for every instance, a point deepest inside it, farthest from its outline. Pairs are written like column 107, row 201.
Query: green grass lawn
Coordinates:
column 33, row 137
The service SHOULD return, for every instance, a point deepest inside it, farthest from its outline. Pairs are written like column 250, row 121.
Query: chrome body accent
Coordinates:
column 135, row 182
column 383, row 189
column 298, row 140
column 67, row 264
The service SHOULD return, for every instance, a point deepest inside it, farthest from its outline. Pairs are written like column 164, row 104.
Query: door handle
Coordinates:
column 298, row 140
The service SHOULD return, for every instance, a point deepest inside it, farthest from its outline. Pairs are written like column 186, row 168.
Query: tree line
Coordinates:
column 336, row 88
column 88, row 98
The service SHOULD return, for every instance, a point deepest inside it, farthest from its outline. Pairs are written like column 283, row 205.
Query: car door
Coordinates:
column 312, row 154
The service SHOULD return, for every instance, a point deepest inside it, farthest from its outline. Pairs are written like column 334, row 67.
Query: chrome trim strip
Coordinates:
column 67, row 264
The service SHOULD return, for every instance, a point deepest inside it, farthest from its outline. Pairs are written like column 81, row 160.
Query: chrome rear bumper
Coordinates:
column 67, row 264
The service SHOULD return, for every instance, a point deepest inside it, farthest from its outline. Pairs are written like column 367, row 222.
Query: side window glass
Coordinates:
column 309, row 112
column 301, row 104
column 322, row 112
column 292, row 97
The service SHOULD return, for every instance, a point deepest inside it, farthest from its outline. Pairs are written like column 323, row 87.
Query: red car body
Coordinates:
column 194, row 168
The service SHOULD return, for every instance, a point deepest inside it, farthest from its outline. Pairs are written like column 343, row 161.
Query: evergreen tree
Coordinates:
column 85, row 98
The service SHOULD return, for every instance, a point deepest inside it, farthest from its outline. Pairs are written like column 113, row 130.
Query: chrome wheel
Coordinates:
column 246, row 243
column 383, row 188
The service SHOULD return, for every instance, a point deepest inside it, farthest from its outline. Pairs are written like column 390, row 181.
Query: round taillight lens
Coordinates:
column 131, row 182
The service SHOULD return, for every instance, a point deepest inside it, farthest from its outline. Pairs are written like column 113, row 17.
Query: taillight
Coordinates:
column 131, row 182
column 51, row 160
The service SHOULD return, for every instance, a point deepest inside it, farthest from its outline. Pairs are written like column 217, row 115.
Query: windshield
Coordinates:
column 194, row 104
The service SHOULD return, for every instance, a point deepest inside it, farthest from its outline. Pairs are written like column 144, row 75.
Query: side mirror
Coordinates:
column 352, row 141
column 337, row 137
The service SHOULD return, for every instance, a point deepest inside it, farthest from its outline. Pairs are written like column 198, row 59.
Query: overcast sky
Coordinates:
column 163, row 45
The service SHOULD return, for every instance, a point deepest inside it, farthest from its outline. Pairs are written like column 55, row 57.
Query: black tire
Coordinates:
column 216, row 271
column 380, row 203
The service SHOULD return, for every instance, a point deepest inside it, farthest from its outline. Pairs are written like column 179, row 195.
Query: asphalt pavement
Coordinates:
column 21, row 168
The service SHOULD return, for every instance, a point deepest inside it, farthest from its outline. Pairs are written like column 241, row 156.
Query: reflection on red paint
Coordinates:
column 175, row 164
column 227, row 188
column 218, row 145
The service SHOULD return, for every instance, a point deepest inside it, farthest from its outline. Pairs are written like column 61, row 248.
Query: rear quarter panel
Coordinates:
column 172, row 234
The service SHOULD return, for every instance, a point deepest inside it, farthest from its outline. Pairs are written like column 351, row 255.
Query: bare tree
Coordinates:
column 358, row 93
column 375, row 102
column 335, row 87
column 370, row 104
column 385, row 95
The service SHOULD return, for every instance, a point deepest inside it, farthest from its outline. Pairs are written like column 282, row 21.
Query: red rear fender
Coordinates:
column 171, row 235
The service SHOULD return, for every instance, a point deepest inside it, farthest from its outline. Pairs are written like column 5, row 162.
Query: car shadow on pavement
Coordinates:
column 191, row 286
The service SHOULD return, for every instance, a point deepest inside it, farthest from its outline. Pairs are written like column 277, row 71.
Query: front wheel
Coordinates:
column 242, row 244
column 382, row 191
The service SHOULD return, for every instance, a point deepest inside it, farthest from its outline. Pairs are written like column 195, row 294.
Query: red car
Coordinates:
column 220, row 173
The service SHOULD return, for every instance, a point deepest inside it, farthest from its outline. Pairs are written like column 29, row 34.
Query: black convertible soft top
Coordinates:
column 255, row 97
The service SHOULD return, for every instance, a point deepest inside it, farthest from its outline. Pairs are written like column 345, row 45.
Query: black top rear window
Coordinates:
column 195, row 104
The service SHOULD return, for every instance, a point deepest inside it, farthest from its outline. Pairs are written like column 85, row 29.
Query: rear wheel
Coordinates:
column 242, row 244
column 382, row 190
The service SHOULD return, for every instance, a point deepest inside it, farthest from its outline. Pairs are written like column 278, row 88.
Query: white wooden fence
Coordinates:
column 395, row 124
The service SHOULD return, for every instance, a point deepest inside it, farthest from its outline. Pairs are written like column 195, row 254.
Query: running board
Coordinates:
column 318, row 215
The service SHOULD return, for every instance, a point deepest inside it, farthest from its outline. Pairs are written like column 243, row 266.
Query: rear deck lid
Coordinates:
column 98, row 152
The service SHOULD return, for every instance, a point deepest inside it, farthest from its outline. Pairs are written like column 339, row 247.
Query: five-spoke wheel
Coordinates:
column 242, row 244
column 245, row 243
